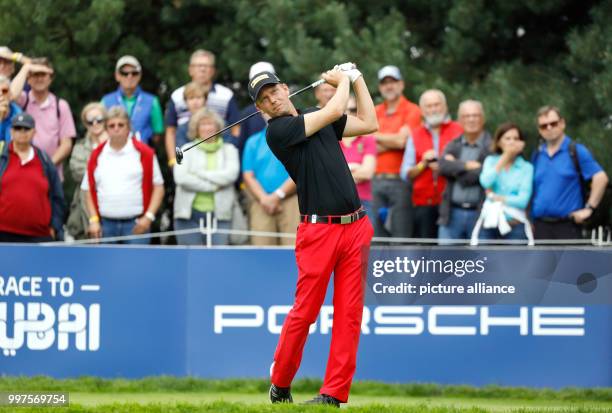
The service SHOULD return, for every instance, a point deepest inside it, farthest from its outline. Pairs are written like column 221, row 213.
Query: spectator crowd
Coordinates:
column 422, row 175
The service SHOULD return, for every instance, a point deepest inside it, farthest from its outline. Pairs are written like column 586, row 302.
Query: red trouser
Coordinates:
column 319, row 250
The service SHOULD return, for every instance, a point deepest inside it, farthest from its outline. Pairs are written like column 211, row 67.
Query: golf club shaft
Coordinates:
column 311, row 86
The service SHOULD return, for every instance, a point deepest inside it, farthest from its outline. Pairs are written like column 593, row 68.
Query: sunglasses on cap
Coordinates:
column 95, row 121
column 127, row 73
column 549, row 125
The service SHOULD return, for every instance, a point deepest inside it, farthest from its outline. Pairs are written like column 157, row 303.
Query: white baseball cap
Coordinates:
column 5, row 50
column 389, row 71
column 128, row 60
column 261, row 67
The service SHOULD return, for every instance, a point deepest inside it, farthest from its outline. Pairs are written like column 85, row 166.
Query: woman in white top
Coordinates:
column 205, row 181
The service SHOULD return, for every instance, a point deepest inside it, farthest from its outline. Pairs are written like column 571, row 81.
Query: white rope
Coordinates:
column 594, row 241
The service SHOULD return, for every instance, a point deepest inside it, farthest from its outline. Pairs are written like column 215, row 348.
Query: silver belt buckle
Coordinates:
column 346, row 219
column 313, row 218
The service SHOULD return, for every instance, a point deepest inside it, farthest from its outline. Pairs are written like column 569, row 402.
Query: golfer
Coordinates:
column 334, row 233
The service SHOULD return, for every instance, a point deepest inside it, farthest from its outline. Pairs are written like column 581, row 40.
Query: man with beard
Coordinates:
column 420, row 163
column 397, row 116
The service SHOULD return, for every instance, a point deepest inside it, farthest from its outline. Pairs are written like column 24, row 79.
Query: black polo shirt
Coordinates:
column 316, row 164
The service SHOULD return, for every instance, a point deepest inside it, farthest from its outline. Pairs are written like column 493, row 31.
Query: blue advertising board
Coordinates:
column 123, row 311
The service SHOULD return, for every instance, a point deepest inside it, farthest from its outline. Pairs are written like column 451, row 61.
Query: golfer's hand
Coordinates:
column 350, row 69
column 94, row 230
column 143, row 224
column 334, row 77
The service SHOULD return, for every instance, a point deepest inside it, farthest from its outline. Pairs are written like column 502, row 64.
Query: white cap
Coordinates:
column 389, row 71
column 128, row 60
column 5, row 50
column 261, row 67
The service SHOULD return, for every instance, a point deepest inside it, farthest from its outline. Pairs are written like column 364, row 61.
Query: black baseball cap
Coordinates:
column 260, row 80
column 23, row 120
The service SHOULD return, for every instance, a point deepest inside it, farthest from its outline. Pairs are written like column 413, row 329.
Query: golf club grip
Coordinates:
column 310, row 86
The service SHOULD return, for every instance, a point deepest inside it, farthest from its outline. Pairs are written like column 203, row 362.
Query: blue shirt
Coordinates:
column 557, row 187
column 250, row 126
column 515, row 184
column 5, row 124
column 259, row 159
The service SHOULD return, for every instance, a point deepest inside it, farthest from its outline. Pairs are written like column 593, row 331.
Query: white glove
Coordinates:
column 350, row 69
column 353, row 74
column 345, row 67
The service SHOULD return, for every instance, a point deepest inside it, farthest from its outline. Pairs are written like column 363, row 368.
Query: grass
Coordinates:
column 190, row 395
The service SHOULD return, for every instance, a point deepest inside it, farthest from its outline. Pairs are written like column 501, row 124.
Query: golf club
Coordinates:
column 179, row 152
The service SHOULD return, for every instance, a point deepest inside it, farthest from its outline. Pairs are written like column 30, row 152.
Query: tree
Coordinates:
column 514, row 56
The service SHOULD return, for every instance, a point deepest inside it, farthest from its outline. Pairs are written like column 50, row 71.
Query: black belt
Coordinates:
column 464, row 205
column 333, row 219
column 387, row 176
column 121, row 219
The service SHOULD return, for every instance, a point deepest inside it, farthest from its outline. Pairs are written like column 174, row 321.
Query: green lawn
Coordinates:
column 190, row 395
column 356, row 403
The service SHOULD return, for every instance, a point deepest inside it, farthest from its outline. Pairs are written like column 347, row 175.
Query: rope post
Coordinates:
column 600, row 236
column 209, row 229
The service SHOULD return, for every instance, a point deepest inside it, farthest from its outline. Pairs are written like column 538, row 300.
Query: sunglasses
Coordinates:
column 21, row 128
column 549, row 125
column 95, row 121
column 128, row 74
column 116, row 125
column 4, row 91
column 352, row 110
column 201, row 65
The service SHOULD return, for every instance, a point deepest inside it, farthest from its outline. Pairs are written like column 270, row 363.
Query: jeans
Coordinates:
column 198, row 238
column 425, row 221
column 395, row 195
column 119, row 228
column 367, row 205
column 460, row 225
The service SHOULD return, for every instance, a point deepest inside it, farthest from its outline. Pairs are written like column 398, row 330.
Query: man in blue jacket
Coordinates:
column 143, row 108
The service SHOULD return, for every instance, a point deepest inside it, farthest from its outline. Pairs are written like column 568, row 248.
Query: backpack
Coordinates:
column 601, row 214
column 57, row 108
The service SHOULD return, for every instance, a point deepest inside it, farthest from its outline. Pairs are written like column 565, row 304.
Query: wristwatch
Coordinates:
column 589, row 206
column 150, row 216
column 280, row 193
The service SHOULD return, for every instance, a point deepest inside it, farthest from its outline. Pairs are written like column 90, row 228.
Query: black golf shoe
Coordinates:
column 324, row 399
column 280, row 394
